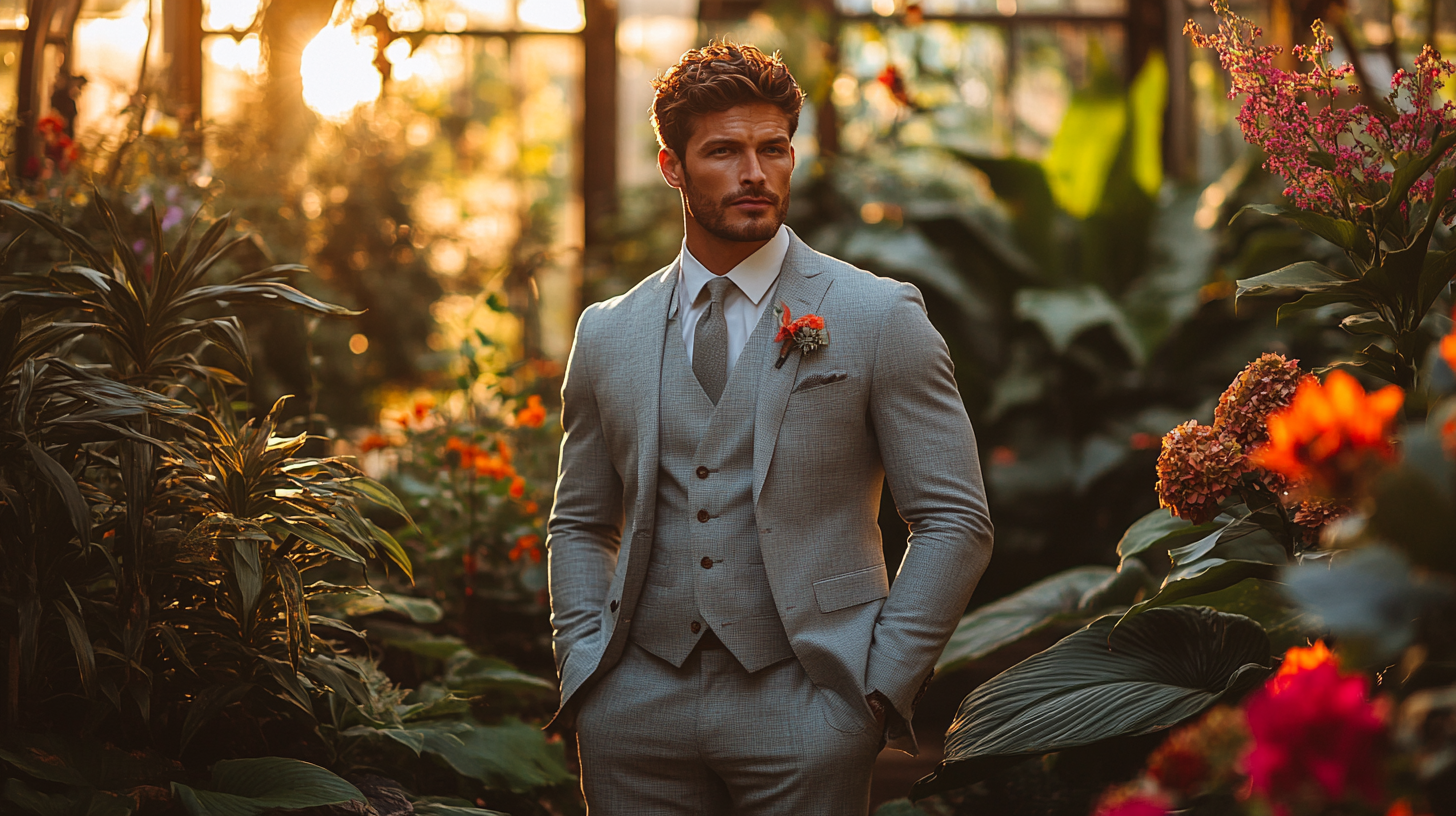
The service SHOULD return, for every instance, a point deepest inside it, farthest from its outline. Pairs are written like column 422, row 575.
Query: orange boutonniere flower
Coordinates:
column 807, row 333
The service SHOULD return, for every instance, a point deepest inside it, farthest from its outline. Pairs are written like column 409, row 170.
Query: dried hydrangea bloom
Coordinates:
column 1314, row 514
column 1198, row 468
column 1263, row 387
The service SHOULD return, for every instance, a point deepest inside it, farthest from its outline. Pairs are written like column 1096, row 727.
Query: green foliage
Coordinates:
column 165, row 560
column 1074, row 596
column 1104, row 681
column 251, row 787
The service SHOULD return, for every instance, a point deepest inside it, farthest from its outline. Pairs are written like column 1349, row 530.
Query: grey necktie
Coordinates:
column 710, row 342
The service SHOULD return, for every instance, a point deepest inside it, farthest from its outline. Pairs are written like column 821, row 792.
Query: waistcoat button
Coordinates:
column 702, row 515
column 702, row 472
column 614, row 606
column 696, row 627
column 707, row 562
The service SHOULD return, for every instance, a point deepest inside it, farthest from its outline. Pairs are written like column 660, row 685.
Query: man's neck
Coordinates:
column 717, row 255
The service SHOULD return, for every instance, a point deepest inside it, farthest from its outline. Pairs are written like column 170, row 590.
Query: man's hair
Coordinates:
column 717, row 77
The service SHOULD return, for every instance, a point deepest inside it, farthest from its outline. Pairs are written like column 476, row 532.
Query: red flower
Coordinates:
column 533, row 415
column 518, row 487
column 527, row 545
column 374, row 441
column 1314, row 731
column 1332, row 434
column 894, row 82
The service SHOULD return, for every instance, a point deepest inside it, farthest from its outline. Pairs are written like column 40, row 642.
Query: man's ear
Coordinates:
column 671, row 167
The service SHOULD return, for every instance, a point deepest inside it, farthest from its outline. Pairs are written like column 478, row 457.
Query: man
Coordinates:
column 725, row 631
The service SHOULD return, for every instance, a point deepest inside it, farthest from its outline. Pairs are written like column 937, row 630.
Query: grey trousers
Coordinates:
column 711, row 739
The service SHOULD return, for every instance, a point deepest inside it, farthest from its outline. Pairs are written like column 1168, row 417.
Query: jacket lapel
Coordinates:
column 649, row 331
column 802, row 288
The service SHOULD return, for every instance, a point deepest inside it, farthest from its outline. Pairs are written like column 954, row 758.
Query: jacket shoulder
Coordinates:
column 865, row 287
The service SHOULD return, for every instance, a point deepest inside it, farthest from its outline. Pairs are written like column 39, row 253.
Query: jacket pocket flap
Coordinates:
column 851, row 589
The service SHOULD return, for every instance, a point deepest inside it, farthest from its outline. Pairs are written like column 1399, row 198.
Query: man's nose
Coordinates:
column 751, row 173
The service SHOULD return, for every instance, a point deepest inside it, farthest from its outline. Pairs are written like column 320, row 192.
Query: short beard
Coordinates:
column 713, row 216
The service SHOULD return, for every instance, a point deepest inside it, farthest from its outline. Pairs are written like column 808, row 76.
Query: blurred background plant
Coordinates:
column 1058, row 176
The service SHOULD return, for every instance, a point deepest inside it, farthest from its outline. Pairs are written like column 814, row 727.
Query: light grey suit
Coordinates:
column 880, row 401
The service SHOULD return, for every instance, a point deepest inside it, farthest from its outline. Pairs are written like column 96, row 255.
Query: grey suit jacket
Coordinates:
column 879, row 401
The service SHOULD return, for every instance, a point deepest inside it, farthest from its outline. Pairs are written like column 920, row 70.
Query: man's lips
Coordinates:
column 753, row 201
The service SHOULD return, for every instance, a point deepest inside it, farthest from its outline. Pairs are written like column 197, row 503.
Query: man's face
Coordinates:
column 735, row 171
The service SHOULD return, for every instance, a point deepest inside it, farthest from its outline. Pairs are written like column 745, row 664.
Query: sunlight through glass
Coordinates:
column 551, row 15
column 222, row 15
column 244, row 55
column 338, row 72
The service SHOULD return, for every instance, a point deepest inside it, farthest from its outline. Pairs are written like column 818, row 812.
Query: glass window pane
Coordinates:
column 222, row 15
column 106, row 50
column 12, row 14
column 9, row 72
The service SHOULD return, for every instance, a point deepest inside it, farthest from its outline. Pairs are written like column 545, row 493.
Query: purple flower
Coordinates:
column 172, row 217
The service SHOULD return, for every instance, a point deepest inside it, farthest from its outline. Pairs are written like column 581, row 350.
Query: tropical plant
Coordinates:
column 164, row 557
column 1374, row 178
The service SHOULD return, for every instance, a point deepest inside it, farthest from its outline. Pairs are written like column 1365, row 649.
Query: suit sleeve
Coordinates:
column 584, row 531
column 929, row 454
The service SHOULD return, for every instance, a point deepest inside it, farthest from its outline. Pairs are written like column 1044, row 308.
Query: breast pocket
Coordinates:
column 852, row 589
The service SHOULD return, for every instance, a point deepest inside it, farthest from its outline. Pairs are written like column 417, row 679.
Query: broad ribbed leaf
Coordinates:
column 1160, row 530
column 1150, row 673
column 1265, row 603
column 250, row 787
column 1011, row 618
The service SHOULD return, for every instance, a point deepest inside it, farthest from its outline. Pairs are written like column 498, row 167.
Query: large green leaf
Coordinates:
column 1369, row 598
column 1202, row 577
column 1063, row 314
column 250, row 787
column 1263, row 602
column 1101, row 682
column 1012, row 618
column 419, row 610
column 1341, row 233
column 1083, row 151
column 1305, row 276
column 510, row 755
column 1160, row 531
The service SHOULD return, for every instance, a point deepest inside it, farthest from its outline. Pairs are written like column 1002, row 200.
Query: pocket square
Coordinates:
column 816, row 380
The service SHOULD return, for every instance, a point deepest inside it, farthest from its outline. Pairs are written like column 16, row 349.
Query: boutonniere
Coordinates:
column 807, row 333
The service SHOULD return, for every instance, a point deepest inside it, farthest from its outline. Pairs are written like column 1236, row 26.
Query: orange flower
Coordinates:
column 1302, row 659
column 530, row 508
column 518, row 487
column 533, row 415
column 1331, row 434
column 504, row 450
column 1448, row 345
column 528, row 545
column 422, row 407
column 374, row 441
column 493, row 466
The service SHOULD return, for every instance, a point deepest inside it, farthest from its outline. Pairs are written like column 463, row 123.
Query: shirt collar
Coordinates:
column 754, row 275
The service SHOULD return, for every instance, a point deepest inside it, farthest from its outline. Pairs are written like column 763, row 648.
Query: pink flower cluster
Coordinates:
column 1334, row 156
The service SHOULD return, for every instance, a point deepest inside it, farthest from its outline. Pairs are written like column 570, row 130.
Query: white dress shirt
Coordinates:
column 754, row 279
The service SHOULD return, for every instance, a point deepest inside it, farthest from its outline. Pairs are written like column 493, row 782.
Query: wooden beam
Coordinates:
column 598, row 139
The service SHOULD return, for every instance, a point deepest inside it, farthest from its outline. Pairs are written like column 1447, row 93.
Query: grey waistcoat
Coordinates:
column 709, row 574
